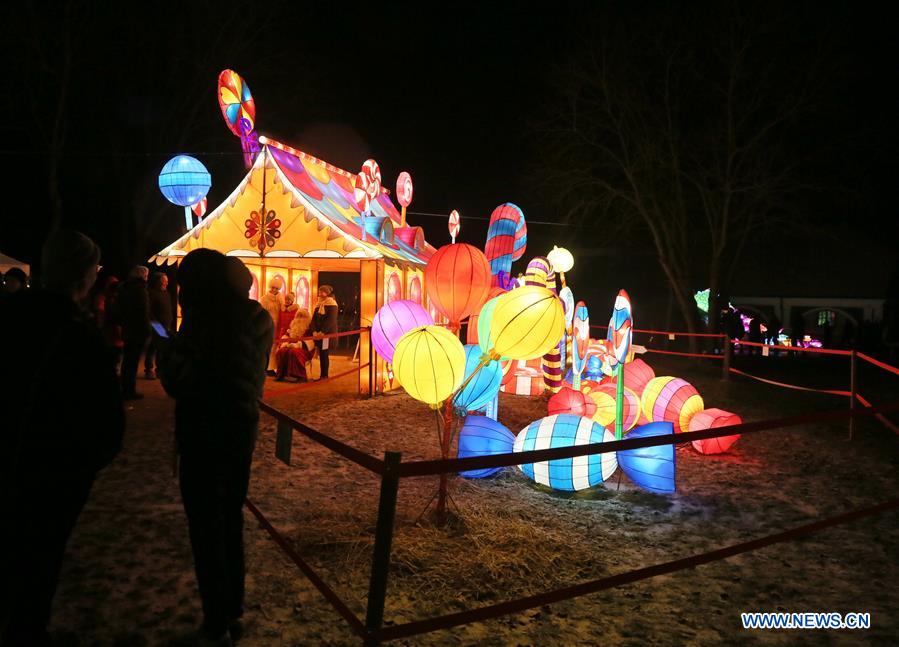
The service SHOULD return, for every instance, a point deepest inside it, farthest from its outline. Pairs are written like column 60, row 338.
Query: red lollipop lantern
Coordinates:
column 458, row 281
column 712, row 419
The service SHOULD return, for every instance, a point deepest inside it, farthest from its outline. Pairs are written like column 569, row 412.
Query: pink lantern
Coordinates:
column 712, row 419
column 404, row 189
column 392, row 321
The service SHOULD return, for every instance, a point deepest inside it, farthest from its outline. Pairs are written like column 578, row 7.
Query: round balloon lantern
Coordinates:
column 605, row 399
column 567, row 400
column 392, row 321
column 184, row 181
column 483, row 387
column 561, row 259
column 474, row 321
column 651, row 468
column 636, row 377
column 671, row 399
column 429, row 362
column 712, row 419
column 569, row 474
column 483, row 436
column 457, row 278
column 527, row 322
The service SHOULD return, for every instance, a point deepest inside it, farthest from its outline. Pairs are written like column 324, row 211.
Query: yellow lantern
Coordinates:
column 561, row 259
column 527, row 322
column 429, row 362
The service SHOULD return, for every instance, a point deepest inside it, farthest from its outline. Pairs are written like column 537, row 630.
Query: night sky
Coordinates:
column 456, row 97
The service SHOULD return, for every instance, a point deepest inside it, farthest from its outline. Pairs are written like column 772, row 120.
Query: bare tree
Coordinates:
column 685, row 125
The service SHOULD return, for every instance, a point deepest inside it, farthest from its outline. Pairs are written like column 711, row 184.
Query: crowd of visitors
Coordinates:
column 213, row 364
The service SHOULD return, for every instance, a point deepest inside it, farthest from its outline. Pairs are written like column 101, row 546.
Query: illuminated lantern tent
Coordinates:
column 294, row 216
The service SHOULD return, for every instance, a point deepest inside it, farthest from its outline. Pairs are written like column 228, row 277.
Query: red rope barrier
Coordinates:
column 790, row 386
column 801, row 349
column 328, row 593
column 307, row 385
column 672, row 352
column 320, row 337
column 513, row 606
column 886, row 423
column 669, row 332
column 886, row 367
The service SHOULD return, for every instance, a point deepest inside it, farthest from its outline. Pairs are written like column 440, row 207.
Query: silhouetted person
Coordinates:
column 63, row 422
column 160, row 311
column 324, row 322
column 133, row 308
column 214, row 367
column 797, row 329
column 755, row 334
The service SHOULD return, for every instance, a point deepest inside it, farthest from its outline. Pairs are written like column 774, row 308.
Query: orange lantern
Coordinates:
column 458, row 281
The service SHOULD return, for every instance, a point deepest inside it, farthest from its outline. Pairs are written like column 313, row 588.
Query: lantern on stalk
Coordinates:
column 184, row 181
column 457, row 278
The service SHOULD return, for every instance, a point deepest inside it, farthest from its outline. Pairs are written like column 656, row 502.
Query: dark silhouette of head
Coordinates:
column 69, row 263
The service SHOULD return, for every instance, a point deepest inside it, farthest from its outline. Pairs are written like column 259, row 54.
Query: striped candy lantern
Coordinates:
column 507, row 237
column 636, row 377
column 482, row 436
column 671, row 399
column 567, row 400
column 651, row 468
column 483, row 387
column 712, row 419
column 604, row 397
column 458, row 281
column 552, row 370
column 569, row 474
column 537, row 272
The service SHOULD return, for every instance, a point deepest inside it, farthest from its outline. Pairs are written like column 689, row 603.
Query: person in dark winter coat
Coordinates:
column 324, row 322
column 161, row 311
column 133, row 308
column 214, row 367
column 63, row 423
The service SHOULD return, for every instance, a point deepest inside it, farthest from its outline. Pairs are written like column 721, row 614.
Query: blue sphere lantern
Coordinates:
column 184, row 181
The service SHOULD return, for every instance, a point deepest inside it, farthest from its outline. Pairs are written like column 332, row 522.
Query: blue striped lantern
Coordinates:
column 483, row 387
column 566, row 430
column 184, row 180
column 651, row 468
column 483, row 436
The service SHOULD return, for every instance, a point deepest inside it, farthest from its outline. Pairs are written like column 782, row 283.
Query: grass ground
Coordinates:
column 128, row 578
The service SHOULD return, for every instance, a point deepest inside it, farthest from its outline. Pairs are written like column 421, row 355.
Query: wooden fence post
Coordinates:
column 380, row 563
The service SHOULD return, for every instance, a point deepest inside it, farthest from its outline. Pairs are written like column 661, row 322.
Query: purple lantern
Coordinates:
column 392, row 321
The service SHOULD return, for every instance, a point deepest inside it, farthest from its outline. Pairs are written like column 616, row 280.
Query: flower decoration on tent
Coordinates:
column 262, row 234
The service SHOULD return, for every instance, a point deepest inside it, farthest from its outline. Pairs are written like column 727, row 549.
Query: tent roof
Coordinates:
column 316, row 216
column 8, row 262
